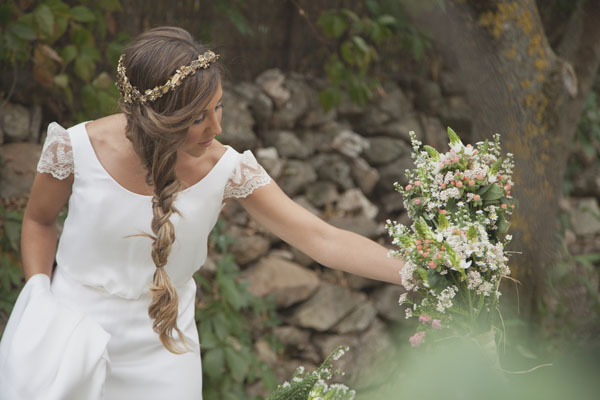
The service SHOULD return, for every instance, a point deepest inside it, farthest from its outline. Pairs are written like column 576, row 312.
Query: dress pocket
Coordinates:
column 51, row 351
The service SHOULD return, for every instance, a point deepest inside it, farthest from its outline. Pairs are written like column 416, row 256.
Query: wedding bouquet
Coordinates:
column 454, row 254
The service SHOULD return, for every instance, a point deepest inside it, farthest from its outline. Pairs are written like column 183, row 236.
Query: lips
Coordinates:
column 206, row 143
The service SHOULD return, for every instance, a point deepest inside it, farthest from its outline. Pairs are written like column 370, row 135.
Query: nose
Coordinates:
column 216, row 124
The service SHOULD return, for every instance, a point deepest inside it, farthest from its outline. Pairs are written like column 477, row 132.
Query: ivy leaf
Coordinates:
column 237, row 362
column 44, row 19
column 333, row 24
column 330, row 98
column 82, row 14
column 214, row 362
column 21, row 31
column 68, row 53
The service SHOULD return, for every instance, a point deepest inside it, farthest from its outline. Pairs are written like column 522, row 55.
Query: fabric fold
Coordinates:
column 50, row 349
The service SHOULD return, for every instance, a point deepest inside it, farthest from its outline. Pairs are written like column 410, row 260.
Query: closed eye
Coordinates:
column 203, row 117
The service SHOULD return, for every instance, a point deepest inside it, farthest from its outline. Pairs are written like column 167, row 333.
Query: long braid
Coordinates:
column 164, row 307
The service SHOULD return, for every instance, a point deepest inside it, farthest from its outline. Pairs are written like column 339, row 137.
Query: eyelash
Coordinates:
column 198, row 121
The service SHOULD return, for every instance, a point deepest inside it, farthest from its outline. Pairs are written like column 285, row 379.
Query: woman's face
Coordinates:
column 201, row 134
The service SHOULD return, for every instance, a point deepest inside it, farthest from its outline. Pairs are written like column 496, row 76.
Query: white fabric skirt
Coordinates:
column 66, row 340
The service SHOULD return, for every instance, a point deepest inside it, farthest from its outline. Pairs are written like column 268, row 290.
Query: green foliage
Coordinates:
column 11, row 277
column 232, row 10
column 358, row 42
column 228, row 358
column 312, row 385
column 586, row 144
column 66, row 49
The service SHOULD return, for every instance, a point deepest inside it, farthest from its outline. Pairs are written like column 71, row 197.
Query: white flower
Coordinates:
column 439, row 237
column 464, row 264
column 492, row 178
column 457, row 147
column 402, row 298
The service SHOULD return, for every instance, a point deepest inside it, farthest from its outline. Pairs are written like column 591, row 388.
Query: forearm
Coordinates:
column 38, row 247
column 350, row 252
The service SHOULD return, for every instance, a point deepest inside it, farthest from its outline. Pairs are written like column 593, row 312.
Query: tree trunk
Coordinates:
column 519, row 87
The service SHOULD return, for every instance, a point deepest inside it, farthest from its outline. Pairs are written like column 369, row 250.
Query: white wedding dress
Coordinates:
column 87, row 334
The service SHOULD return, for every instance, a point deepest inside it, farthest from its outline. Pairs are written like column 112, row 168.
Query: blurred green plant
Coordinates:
column 223, row 317
column 67, row 49
column 585, row 149
column 358, row 42
column 11, row 277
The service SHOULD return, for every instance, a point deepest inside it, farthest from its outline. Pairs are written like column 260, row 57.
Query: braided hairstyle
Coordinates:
column 157, row 129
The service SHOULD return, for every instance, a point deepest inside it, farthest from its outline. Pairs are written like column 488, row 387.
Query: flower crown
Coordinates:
column 131, row 94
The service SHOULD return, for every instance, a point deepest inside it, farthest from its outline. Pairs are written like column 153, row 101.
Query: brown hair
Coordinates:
column 157, row 129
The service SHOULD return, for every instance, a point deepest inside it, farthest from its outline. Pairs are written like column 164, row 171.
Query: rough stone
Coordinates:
column 271, row 81
column 374, row 348
column 435, row 134
column 587, row 182
column 585, row 216
column 360, row 224
column 15, row 121
column 333, row 167
column 295, row 176
column 400, row 129
column 456, row 113
column 289, row 112
column 428, row 96
column 327, row 343
column 264, row 353
column 249, row 248
column 288, row 282
column 18, row 169
column 394, row 101
column 354, row 200
column 364, row 175
column 374, row 118
column 322, row 193
column 449, row 83
column 269, row 159
column 326, row 307
column 290, row 335
column 383, row 150
column 385, row 300
column 289, row 145
column 358, row 320
column 301, row 258
column 394, row 172
column 35, row 124
column 259, row 103
column 392, row 202
column 349, row 143
column 237, row 127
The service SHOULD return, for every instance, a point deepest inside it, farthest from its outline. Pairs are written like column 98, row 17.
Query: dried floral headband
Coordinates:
column 131, row 94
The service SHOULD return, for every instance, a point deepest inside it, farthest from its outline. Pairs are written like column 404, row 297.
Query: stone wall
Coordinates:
column 339, row 165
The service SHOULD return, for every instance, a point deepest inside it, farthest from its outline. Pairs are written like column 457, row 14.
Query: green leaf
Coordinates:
column 21, row 31
column 214, row 362
column 360, row 43
column 208, row 340
column 89, row 99
column 454, row 139
column 495, row 192
column 237, row 363
column 44, row 19
column 443, row 222
column 423, row 274
column 433, row 153
column 330, row 98
column 68, row 53
column 231, row 293
column 6, row 14
column 436, row 281
column 85, row 68
column 333, row 24
column 82, row 14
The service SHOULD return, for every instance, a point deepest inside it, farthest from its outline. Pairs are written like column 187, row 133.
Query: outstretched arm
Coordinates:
column 326, row 244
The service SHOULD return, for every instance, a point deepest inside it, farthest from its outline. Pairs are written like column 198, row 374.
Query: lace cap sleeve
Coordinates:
column 247, row 176
column 57, row 154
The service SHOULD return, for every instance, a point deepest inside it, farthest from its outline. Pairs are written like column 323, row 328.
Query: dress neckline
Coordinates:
column 123, row 188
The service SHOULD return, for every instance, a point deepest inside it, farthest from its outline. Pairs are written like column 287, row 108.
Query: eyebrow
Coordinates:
column 220, row 100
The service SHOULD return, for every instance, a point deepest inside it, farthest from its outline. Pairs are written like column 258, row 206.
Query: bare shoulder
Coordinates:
column 107, row 132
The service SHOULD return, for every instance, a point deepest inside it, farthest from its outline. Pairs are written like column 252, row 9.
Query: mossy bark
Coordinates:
column 518, row 86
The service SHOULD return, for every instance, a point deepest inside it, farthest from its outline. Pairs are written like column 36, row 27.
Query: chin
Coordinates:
column 197, row 151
